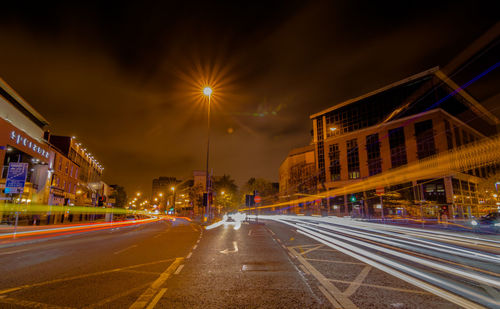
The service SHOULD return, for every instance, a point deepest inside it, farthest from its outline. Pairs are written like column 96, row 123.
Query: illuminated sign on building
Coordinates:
column 21, row 140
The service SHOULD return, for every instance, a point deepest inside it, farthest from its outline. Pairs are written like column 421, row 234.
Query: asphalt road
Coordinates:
column 178, row 264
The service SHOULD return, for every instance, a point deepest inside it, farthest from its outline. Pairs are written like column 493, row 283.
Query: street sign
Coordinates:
column 380, row 191
column 257, row 199
column 16, row 177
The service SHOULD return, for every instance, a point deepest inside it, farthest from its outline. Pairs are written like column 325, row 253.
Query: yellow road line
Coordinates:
column 80, row 276
column 29, row 304
column 157, row 298
column 144, row 299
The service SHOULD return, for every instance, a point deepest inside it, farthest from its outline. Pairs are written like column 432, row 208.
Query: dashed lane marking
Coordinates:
column 178, row 271
column 250, row 233
column 156, row 299
column 123, row 250
column 195, row 246
column 189, row 255
column 150, row 292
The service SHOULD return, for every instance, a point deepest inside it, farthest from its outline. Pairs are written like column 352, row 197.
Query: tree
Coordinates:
column 263, row 187
column 226, row 193
column 119, row 195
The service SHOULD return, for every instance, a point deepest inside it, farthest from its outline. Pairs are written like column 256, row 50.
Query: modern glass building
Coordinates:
column 407, row 121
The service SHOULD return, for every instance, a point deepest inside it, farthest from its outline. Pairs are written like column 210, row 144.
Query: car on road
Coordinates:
column 490, row 221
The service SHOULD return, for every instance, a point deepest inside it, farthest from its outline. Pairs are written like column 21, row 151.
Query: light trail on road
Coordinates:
column 70, row 229
column 446, row 264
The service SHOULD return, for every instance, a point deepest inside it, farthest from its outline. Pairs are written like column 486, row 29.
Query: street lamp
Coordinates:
column 207, row 91
column 173, row 197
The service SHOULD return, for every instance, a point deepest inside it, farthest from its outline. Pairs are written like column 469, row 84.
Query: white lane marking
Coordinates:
column 304, row 269
column 123, row 250
column 340, row 301
column 235, row 246
column 105, row 301
column 335, row 261
column 439, row 266
column 156, row 299
column 329, row 297
column 383, row 287
column 250, row 233
column 353, row 287
column 145, row 297
column 15, row 251
column 272, row 233
column 408, row 278
column 179, row 269
column 194, row 247
column 189, row 255
column 311, row 249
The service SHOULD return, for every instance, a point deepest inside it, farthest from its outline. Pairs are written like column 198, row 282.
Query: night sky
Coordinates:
column 126, row 78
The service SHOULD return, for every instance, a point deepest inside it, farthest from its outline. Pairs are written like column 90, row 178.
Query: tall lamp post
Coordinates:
column 207, row 91
column 173, row 198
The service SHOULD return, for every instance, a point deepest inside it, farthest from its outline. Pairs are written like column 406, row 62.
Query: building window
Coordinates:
column 373, row 152
column 60, row 164
column 424, row 135
column 321, row 149
column 334, row 154
column 449, row 135
column 352, row 159
column 398, row 147
column 66, row 169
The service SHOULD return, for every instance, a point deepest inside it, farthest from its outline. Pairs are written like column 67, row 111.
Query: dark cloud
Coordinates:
column 125, row 77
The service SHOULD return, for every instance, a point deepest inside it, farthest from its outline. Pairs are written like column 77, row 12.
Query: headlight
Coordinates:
column 497, row 224
column 473, row 222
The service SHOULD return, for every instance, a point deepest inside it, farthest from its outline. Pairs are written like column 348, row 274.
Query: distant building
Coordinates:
column 163, row 185
column 89, row 169
column 298, row 172
column 404, row 122
column 64, row 181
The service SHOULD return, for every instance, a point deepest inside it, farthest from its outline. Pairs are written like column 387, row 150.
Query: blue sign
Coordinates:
column 16, row 177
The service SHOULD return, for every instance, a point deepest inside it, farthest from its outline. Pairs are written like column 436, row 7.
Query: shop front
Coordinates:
column 18, row 147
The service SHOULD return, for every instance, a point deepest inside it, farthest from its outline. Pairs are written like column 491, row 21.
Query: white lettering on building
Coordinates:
column 27, row 143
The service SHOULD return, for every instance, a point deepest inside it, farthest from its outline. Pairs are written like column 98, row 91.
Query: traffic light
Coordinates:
column 250, row 200
column 205, row 199
column 208, row 197
column 444, row 209
column 353, row 198
column 100, row 201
